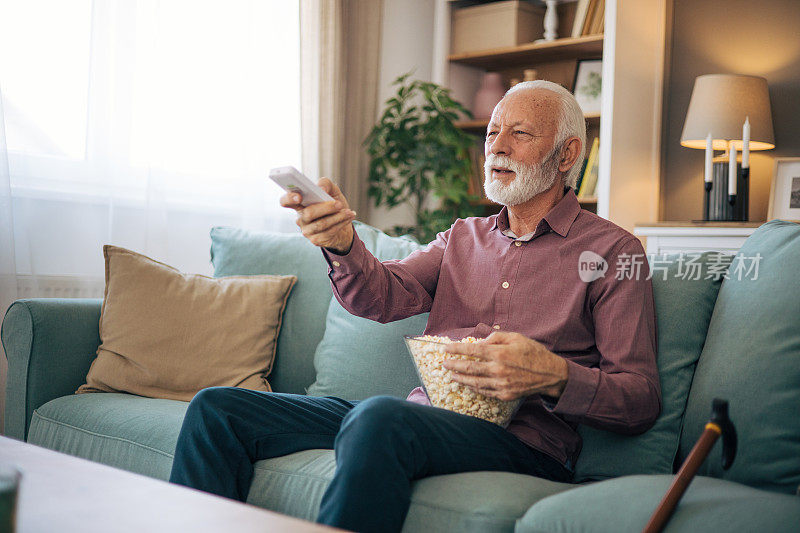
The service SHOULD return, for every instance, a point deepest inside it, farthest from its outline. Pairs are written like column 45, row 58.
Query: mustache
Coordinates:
column 496, row 160
column 548, row 164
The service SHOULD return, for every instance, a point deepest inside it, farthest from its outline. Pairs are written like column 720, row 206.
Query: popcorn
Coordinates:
column 443, row 391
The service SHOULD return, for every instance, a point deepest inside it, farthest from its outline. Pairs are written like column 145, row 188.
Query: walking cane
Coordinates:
column 719, row 424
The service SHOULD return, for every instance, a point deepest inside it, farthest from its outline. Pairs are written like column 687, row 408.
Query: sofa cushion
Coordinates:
column 752, row 359
column 472, row 501
column 122, row 430
column 358, row 358
column 684, row 300
column 236, row 251
column 139, row 434
column 168, row 334
column 626, row 504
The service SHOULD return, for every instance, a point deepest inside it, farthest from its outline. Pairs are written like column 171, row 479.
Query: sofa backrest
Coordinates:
column 685, row 287
column 751, row 358
column 240, row 252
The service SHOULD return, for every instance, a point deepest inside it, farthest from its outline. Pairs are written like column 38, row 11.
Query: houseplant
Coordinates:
column 418, row 156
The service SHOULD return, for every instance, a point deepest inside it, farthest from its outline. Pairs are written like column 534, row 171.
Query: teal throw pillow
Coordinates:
column 684, row 300
column 752, row 359
column 359, row 358
column 240, row 252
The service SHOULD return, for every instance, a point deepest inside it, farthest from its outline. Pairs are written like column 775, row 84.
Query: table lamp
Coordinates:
column 732, row 113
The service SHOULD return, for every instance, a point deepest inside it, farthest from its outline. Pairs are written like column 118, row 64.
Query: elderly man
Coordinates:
column 577, row 350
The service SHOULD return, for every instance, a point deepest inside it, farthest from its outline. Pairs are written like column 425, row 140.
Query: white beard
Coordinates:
column 529, row 180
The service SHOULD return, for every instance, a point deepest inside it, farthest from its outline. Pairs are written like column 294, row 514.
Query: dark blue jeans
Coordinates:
column 381, row 445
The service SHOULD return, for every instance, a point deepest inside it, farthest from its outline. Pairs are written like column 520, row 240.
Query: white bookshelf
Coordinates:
column 633, row 50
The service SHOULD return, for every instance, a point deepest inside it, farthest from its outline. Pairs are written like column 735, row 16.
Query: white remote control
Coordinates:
column 293, row 181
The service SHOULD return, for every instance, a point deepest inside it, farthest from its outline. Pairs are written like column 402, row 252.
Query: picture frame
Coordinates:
column 587, row 86
column 784, row 193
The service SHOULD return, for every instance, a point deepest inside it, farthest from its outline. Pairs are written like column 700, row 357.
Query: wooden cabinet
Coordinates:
column 694, row 237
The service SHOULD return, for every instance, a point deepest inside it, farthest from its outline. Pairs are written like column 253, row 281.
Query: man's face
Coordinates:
column 521, row 159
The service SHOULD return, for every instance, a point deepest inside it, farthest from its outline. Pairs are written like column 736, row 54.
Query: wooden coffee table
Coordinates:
column 64, row 493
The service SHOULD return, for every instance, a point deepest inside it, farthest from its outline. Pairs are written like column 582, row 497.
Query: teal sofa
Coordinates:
column 737, row 339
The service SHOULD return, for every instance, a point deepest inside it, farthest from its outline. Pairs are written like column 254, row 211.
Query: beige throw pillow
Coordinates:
column 166, row 334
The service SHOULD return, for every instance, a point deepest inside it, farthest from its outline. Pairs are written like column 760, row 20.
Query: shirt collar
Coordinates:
column 559, row 218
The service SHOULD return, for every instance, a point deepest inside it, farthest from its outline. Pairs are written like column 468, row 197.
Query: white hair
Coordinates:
column 570, row 123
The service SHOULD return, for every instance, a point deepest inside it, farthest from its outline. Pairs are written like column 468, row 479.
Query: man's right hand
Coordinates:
column 326, row 224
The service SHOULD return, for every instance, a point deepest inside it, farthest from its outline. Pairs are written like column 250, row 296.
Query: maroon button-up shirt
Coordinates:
column 476, row 278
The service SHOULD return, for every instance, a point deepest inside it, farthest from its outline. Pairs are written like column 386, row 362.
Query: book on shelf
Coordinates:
column 580, row 176
column 587, row 22
column 594, row 19
column 599, row 18
column 580, row 18
column 589, row 179
column 476, row 178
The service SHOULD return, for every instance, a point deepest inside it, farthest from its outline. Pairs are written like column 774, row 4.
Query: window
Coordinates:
column 103, row 98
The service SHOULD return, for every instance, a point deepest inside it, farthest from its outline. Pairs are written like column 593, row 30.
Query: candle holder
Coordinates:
column 550, row 22
column 717, row 206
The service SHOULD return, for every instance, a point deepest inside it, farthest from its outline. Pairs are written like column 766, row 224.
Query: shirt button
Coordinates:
column 517, row 243
column 336, row 264
column 496, row 326
column 505, row 284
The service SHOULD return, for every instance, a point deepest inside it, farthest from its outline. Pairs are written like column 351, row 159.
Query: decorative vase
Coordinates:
column 490, row 93
column 550, row 21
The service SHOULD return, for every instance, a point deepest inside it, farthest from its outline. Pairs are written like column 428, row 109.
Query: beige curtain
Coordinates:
column 339, row 56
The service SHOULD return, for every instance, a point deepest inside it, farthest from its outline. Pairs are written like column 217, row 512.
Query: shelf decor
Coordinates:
column 550, row 21
column 784, row 195
column 488, row 96
column 494, row 25
column 588, row 84
column 732, row 113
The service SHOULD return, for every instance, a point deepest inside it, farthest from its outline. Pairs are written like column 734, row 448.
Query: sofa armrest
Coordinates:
column 50, row 344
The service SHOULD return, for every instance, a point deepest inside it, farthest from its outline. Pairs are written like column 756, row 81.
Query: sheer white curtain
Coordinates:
column 140, row 123
column 340, row 58
column 8, row 279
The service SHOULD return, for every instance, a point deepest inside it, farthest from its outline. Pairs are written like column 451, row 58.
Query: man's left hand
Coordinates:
column 511, row 366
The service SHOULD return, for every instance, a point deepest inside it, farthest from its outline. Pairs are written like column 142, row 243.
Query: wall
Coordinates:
column 730, row 37
column 406, row 44
column 630, row 129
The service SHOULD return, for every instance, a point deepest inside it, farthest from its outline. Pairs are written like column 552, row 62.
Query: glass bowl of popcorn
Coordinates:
column 429, row 355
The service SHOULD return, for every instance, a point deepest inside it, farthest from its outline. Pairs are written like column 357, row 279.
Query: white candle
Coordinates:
column 746, row 143
column 732, row 170
column 709, row 169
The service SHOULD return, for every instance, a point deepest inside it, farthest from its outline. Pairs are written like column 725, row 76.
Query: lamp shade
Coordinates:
column 720, row 103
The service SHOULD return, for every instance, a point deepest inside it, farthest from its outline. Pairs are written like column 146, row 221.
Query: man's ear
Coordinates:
column 570, row 151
